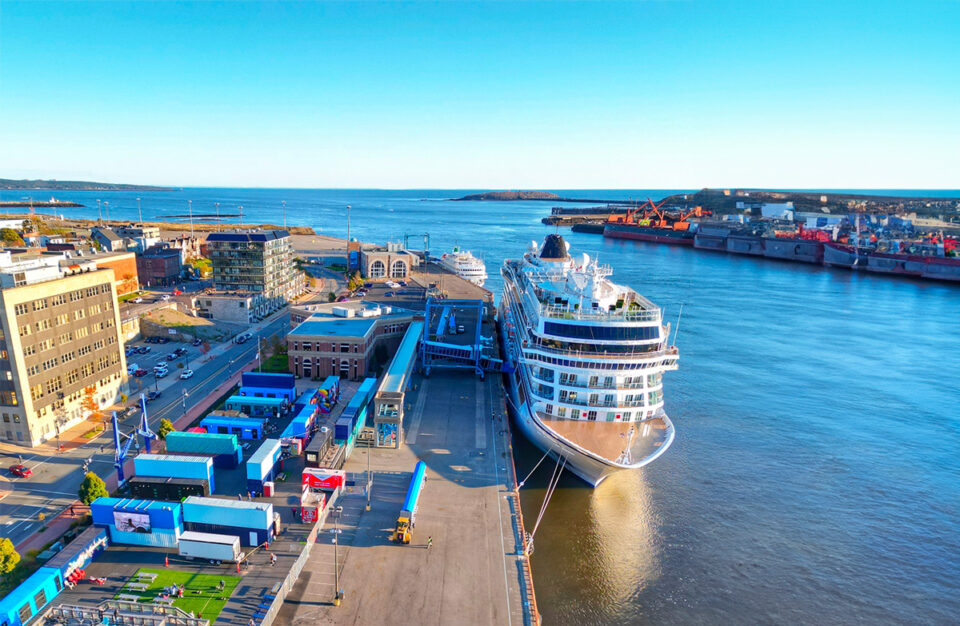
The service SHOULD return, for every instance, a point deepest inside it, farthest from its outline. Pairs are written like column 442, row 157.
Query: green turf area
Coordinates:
column 207, row 603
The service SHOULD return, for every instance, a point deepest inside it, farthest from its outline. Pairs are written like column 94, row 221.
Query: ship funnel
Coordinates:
column 554, row 248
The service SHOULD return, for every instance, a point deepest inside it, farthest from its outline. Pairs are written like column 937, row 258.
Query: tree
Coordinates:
column 92, row 488
column 89, row 403
column 355, row 281
column 166, row 427
column 8, row 235
column 9, row 557
column 331, row 297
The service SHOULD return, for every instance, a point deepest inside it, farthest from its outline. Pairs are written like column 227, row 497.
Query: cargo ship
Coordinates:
column 651, row 222
column 587, row 358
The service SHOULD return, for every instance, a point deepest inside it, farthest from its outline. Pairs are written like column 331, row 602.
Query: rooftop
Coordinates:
column 324, row 322
column 231, row 504
column 396, row 376
column 245, row 236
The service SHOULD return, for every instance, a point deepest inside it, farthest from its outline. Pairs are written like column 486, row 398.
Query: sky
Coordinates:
column 492, row 95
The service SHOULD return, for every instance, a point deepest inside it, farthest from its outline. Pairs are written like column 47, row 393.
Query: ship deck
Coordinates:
column 611, row 440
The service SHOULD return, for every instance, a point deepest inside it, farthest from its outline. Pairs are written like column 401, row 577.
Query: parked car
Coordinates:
column 197, row 341
column 21, row 471
column 172, row 356
column 128, row 411
column 389, row 294
column 140, row 372
column 461, row 330
column 138, row 300
column 144, row 349
column 132, row 368
column 402, row 283
column 180, row 351
column 161, row 373
column 162, row 340
column 165, row 297
column 153, row 395
column 243, row 337
column 185, row 374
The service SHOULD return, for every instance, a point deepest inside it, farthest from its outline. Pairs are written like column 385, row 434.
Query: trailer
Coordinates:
column 408, row 514
column 213, row 547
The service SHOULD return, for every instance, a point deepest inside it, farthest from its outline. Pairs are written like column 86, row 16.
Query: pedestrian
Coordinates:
column 429, row 542
column 273, row 559
column 240, row 497
column 71, row 510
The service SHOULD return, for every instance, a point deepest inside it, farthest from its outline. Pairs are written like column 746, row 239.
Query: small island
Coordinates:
column 74, row 185
column 506, row 196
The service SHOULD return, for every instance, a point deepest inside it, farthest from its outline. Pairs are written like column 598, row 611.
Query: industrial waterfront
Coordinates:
column 815, row 449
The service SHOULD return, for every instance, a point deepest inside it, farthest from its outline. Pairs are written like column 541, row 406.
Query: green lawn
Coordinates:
column 129, row 296
column 278, row 363
column 208, row 602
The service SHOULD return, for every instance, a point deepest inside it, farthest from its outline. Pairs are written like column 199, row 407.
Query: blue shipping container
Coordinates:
column 263, row 464
column 241, row 514
column 174, row 466
column 162, row 515
column 342, row 428
column 30, row 596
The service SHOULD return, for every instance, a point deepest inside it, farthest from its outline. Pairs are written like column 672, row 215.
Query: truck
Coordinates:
column 215, row 548
column 408, row 514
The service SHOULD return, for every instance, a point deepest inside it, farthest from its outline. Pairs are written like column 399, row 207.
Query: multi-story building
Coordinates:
column 59, row 335
column 348, row 339
column 260, row 261
column 159, row 266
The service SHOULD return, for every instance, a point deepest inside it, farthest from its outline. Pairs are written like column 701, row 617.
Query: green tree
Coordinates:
column 92, row 488
column 166, row 427
column 355, row 281
column 331, row 297
column 8, row 235
column 8, row 556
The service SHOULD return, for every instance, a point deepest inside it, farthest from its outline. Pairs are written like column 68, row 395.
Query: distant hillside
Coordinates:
column 74, row 185
column 512, row 195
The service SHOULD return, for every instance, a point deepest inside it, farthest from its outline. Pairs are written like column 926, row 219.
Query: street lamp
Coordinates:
column 369, row 475
column 336, row 561
column 139, row 213
column 185, row 394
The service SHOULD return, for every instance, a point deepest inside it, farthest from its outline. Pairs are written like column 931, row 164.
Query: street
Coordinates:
column 57, row 476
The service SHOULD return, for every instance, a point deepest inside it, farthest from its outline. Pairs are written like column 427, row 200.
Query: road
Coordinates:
column 57, row 477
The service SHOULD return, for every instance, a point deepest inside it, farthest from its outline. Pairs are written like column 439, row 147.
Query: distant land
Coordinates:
column 508, row 196
column 74, row 185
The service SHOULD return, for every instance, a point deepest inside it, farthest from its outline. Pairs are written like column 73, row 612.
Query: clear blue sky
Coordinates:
column 491, row 95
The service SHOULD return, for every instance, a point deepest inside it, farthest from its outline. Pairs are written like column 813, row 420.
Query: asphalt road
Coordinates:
column 57, row 477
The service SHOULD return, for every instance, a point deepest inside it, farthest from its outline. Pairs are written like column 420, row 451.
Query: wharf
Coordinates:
column 474, row 572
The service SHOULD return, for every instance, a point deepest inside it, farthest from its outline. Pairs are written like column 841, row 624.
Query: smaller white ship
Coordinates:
column 465, row 265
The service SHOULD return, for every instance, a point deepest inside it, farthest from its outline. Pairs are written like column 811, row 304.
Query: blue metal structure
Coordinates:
column 413, row 491
column 142, row 430
column 442, row 346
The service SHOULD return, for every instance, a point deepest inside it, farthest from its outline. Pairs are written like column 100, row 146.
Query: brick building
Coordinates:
column 345, row 340
column 159, row 266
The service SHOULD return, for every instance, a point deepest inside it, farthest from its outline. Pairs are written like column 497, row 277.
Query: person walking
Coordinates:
column 429, row 542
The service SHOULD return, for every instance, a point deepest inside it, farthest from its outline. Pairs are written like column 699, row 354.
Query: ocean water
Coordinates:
column 815, row 477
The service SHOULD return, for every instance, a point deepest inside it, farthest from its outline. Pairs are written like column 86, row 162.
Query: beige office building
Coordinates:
column 58, row 336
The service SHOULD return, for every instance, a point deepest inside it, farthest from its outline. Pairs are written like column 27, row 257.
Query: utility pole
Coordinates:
column 185, row 394
column 336, row 560
column 139, row 212
column 348, row 235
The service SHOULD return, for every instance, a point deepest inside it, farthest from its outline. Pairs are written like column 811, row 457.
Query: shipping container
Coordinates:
column 252, row 522
column 260, row 385
column 160, row 488
column 317, row 448
column 242, row 427
column 253, row 406
column 224, row 448
column 80, row 552
column 130, row 513
column 175, row 467
column 342, row 429
column 263, row 464
column 29, row 597
column 197, row 545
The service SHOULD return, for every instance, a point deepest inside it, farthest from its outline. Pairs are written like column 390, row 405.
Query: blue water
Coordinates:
column 815, row 477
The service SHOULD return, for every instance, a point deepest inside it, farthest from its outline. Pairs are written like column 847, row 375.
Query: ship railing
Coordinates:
column 600, row 405
column 633, row 354
column 624, row 314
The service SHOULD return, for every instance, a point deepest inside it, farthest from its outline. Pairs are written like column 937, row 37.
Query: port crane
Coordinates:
column 656, row 216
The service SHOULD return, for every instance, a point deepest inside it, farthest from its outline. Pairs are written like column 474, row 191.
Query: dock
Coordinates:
column 475, row 572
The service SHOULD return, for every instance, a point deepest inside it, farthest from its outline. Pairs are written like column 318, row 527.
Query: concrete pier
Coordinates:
column 474, row 572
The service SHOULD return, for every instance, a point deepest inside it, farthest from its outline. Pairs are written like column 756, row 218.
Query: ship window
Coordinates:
column 575, row 414
column 561, row 411
column 592, row 416
column 605, row 333
column 549, row 409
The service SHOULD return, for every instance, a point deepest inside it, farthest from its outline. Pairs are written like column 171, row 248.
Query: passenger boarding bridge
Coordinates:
column 388, row 403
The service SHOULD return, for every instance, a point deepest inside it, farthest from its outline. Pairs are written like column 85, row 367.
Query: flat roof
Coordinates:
column 322, row 322
column 266, row 449
column 255, row 235
column 229, row 504
column 234, row 419
column 395, row 378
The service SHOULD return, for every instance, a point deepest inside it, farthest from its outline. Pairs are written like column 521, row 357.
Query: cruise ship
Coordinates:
column 588, row 357
column 465, row 265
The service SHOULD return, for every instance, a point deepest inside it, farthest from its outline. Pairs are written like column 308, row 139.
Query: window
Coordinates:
column 79, row 314
column 308, row 346
column 67, row 357
column 378, row 269
column 82, row 332
column 561, row 411
column 603, row 333
column 592, row 416
column 575, row 414
column 58, row 300
column 43, row 325
column 64, row 338
column 25, row 330
column 21, row 309
column 25, row 611
column 73, row 376
column 33, row 370
column 344, row 347
column 62, row 319
column 398, row 269
column 29, row 350
column 39, row 305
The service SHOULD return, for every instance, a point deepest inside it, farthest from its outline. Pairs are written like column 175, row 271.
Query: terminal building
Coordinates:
column 348, row 340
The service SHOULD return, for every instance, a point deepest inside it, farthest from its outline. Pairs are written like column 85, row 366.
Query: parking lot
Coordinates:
column 175, row 357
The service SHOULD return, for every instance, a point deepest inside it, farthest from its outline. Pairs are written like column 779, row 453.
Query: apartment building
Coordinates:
column 59, row 334
column 259, row 261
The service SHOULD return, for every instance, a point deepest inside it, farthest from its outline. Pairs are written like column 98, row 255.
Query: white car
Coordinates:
column 138, row 300
column 164, row 297
column 185, row 374
column 160, row 373
column 131, row 368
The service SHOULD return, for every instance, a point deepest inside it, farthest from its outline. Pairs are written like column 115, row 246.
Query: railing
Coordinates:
column 606, row 355
column 624, row 314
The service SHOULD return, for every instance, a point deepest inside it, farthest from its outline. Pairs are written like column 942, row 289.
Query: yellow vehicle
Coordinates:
column 407, row 517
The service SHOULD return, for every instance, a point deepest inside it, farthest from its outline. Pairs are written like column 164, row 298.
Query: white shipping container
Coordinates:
column 197, row 545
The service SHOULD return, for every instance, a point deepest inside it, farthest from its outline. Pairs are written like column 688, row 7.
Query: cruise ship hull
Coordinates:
column 590, row 468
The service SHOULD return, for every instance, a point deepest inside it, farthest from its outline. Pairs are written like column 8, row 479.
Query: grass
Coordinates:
column 278, row 363
column 129, row 296
column 207, row 603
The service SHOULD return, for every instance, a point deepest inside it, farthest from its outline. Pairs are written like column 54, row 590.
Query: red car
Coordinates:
column 140, row 372
column 21, row 471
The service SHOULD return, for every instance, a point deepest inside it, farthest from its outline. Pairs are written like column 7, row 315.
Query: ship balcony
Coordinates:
column 628, row 444
column 631, row 355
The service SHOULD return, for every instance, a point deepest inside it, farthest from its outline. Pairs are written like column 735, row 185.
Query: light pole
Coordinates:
column 336, row 560
column 284, row 203
column 348, row 236
column 139, row 212
column 190, row 209
column 369, row 475
column 99, row 213
column 185, row 394
column 106, row 207
column 218, row 215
